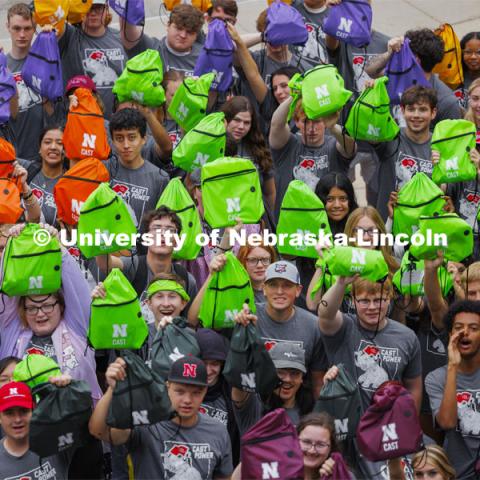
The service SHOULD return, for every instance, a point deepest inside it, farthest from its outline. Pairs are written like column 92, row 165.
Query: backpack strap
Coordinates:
column 141, row 275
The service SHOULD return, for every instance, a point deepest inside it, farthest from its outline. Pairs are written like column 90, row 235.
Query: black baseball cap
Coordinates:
column 188, row 370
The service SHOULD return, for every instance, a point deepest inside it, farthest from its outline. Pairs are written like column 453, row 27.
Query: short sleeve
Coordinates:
column 414, row 367
column 225, row 466
column 434, row 386
column 249, row 414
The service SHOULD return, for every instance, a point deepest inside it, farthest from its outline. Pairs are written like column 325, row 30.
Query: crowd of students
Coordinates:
column 429, row 342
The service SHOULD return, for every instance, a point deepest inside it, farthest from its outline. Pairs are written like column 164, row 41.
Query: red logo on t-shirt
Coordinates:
column 35, row 351
column 408, row 162
column 371, row 350
column 464, row 397
column 38, row 193
column 473, row 198
column 120, row 188
column 179, row 450
column 307, row 163
column 202, row 410
column 269, row 344
column 74, row 252
column 358, row 60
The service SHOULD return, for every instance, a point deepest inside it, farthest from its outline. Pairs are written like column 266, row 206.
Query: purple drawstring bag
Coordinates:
column 390, row 427
column 403, row 71
column 271, row 446
column 350, row 22
column 133, row 11
column 340, row 469
column 8, row 88
column 3, row 59
column 285, row 25
column 217, row 56
column 42, row 70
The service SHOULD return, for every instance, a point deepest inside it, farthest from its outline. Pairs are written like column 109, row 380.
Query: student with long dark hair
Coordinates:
column 470, row 45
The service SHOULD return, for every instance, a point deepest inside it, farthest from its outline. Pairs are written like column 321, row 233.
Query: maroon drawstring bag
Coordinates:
column 340, row 470
column 271, row 449
column 389, row 428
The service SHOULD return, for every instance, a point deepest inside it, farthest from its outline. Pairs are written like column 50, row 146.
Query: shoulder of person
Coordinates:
column 437, row 376
column 305, row 315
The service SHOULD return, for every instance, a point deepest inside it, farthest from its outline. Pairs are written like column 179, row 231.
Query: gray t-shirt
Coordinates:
column 399, row 160
column 296, row 161
column 41, row 346
column 315, row 49
column 31, row 466
column 462, row 443
column 29, row 123
column 301, row 329
column 42, row 188
column 216, row 409
column 168, row 451
column 140, row 188
column 351, row 61
column 172, row 60
column 101, row 58
column 394, row 354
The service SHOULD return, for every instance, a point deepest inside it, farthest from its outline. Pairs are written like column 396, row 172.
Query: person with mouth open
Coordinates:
column 453, row 389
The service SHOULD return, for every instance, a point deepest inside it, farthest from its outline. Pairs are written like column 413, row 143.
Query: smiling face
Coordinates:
column 418, row 116
column 166, row 304
column 214, row 369
column 469, row 326
column 337, row 204
column 471, row 55
column 280, row 88
column 96, row 18
column 256, row 264
column 51, row 148
column 281, row 294
column 42, row 314
column 315, row 443
column 163, row 230
column 366, row 229
column 292, row 380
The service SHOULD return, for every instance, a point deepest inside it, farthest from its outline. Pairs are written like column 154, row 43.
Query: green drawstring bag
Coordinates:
column 454, row 140
column 141, row 81
column 326, row 280
column 116, row 321
column 459, row 236
column 189, row 104
column 174, row 341
column 323, row 92
column 104, row 211
column 408, row 279
column 347, row 261
column 231, row 189
column 140, row 399
column 301, row 213
column 36, row 369
column 225, row 295
column 176, row 197
column 32, row 263
column 369, row 118
column 419, row 196
column 204, row 143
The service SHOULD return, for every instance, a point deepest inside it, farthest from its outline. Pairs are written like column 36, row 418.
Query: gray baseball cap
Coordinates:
column 288, row 355
column 283, row 269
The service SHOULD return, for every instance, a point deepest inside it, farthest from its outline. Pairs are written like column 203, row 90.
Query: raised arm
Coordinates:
column 436, row 303
column 130, row 34
column 163, row 142
column 330, row 319
column 97, row 425
column 377, row 64
column 279, row 129
column 248, row 65
column 107, row 262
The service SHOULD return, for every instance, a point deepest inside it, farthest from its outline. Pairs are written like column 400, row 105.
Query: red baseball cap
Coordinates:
column 15, row 394
column 81, row 81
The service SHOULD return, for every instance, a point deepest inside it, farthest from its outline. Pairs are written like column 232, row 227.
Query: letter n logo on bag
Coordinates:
column 373, row 131
column 182, row 111
column 37, row 82
column 65, row 441
column 322, row 91
column 345, row 24
column 233, row 204
column 119, row 330
column 389, row 432
column 248, row 380
column 89, row 140
column 35, row 282
column 359, row 257
column 140, row 417
column 451, row 163
column 201, row 159
column 270, row 470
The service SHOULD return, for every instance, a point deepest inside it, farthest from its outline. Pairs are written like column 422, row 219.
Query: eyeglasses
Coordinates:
column 253, row 262
column 365, row 302
column 46, row 309
column 162, row 230
column 369, row 231
column 317, row 446
column 470, row 53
